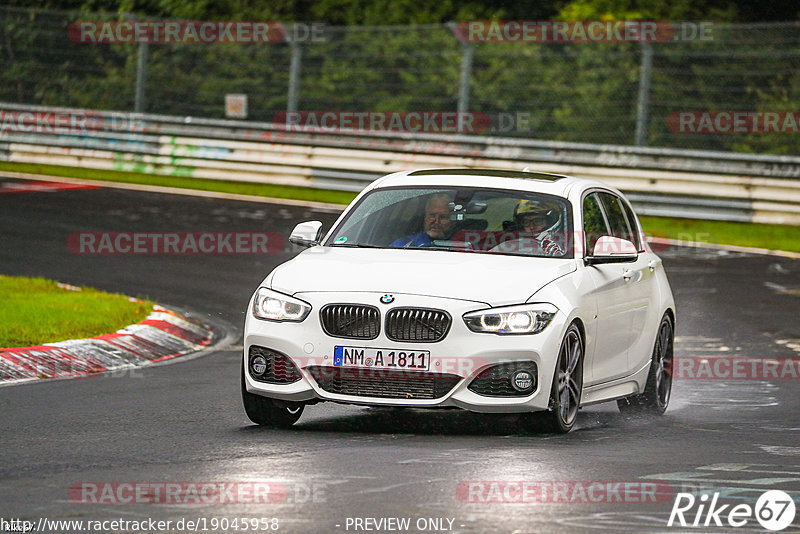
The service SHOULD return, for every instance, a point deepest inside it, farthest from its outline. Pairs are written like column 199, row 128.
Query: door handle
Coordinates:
column 627, row 274
column 652, row 265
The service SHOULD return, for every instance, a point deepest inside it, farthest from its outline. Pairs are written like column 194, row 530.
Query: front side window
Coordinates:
column 594, row 223
column 459, row 219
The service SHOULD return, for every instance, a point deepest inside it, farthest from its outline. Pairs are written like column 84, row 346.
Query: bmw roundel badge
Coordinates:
column 387, row 299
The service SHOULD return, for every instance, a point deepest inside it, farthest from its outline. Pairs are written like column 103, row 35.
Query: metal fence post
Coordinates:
column 466, row 74
column 294, row 74
column 643, row 105
column 141, row 78
column 467, row 54
column 141, row 71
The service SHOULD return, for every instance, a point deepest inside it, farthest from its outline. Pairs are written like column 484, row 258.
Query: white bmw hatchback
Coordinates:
column 492, row 291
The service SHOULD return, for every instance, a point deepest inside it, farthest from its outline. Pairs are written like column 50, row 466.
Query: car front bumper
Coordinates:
column 462, row 354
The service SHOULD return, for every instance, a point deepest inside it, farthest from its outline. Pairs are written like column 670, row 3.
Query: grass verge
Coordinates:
column 769, row 236
column 36, row 310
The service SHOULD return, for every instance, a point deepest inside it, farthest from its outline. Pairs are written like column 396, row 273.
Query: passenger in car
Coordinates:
column 436, row 225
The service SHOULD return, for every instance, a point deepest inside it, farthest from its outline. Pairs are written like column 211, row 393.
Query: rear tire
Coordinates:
column 658, row 389
column 269, row 412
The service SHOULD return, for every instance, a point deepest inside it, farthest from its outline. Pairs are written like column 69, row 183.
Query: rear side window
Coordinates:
column 594, row 224
column 616, row 217
column 631, row 218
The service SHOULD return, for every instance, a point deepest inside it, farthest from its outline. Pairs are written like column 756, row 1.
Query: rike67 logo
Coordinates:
column 774, row 510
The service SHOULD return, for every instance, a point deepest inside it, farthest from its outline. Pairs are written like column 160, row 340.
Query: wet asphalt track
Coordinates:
column 183, row 422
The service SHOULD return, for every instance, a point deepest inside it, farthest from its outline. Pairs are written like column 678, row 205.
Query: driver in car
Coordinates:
column 436, row 225
column 535, row 218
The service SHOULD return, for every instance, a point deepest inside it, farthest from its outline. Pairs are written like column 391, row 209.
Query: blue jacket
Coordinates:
column 417, row 240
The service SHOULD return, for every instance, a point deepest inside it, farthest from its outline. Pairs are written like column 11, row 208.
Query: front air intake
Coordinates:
column 383, row 383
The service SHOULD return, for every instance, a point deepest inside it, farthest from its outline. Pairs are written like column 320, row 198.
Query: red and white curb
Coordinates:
column 163, row 335
column 42, row 186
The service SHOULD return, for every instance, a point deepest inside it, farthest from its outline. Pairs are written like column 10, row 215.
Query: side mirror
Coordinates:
column 609, row 249
column 306, row 234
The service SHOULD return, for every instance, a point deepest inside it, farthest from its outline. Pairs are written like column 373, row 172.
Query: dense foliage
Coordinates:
column 370, row 59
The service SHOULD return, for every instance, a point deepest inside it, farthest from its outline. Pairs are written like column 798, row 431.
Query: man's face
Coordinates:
column 534, row 222
column 437, row 219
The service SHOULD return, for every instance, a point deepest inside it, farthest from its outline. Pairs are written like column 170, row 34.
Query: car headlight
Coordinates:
column 270, row 305
column 522, row 319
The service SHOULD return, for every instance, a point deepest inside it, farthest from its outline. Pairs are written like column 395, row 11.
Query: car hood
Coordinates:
column 493, row 279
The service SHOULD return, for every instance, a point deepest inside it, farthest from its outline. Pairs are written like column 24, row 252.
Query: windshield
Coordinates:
column 460, row 220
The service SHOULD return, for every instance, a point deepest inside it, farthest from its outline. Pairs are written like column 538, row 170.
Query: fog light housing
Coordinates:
column 507, row 379
column 522, row 381
column 258, row 366
column 272, row 367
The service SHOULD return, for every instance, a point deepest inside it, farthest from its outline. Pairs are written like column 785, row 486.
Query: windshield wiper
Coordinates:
column 355, row 245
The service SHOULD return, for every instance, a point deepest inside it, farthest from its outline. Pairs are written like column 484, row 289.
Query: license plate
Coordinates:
column 419, row 360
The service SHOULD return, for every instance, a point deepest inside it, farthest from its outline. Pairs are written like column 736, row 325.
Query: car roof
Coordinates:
column 521, row 180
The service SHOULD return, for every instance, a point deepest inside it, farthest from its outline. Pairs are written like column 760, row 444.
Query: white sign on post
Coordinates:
column 236, row 106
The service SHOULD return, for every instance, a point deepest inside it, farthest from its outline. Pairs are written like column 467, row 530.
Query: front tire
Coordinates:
column 269, row 412
column 565, row 393
column 658, row 389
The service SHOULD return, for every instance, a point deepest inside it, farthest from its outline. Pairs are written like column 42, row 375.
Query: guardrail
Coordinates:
column 683, row 183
